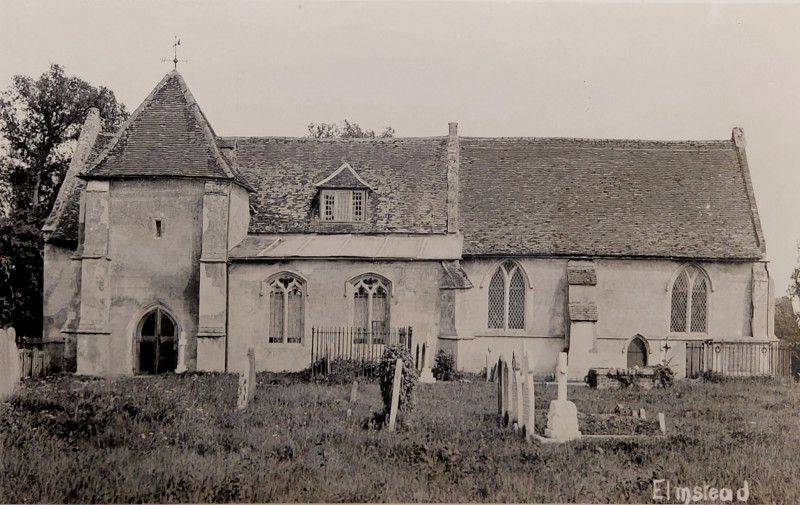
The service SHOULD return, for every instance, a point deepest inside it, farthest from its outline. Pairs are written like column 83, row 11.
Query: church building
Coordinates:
column 170, row 246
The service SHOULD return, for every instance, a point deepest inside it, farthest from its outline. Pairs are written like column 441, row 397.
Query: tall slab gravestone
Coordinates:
column 9, row 363
column 247, row 381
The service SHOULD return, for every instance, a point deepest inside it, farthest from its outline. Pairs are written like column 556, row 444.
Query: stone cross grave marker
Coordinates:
column 9, row 363
column 398, row 376
column 247, row 381
column 562, row 419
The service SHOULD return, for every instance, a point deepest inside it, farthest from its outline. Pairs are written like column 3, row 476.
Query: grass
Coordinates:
column 181, row 439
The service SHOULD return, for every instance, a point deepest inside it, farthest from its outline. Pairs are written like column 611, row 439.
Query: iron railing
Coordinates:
column 712, row 359
column 354, row 351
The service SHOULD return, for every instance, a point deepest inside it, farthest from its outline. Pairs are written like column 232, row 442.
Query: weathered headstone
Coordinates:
column 247, row 381
column 488, row 364
column 662, row 423
column 562, row 419
column 10, row 372
column 426, row 374
column 354, row 392
column 181, row 368
column 512, row 392
column 501, row 405
column 530, row 411
column 518, row 383
column 642, row 414
column 398, row 376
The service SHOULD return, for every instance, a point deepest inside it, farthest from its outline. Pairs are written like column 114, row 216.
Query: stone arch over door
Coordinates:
column 155, row 342
column 637, row 352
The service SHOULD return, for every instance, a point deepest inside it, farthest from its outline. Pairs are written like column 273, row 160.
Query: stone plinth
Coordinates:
column 426, row 376
column 562, row 421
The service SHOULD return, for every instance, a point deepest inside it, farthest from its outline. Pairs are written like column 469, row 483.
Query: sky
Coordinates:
column 641, row 70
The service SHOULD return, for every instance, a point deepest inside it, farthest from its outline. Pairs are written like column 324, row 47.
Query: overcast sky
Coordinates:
column 597, row 70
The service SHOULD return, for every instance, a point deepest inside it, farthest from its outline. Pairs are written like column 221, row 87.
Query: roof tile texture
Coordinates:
column 165, row 138
column 408, row 176
column 604, row 198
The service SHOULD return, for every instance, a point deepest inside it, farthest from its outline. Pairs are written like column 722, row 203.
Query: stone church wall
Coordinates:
column 414, row 302
column 147, row 270
column 631, row 296
column 61, row 302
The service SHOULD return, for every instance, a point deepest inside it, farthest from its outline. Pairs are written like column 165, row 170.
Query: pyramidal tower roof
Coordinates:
column 167, row 136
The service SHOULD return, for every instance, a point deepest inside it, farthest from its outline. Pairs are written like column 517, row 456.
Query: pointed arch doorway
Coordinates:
column 156, row 345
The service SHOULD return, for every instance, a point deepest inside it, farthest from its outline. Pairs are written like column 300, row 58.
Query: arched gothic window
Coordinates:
column 371, row 305
column 689, row 301
column 507, row 298
column 286, row 309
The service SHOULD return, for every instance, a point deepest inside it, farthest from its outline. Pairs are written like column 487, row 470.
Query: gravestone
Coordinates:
column 398, row 376
column 181, row 368
column 501, row 405
column 354, row 392
column 530, row 409
column 662, row 423
column 512, row 393
column 642, row 415
column 518, row 386
column 488, row 364
column 426, row 375
column 247, row 381
column 9, row 363
column 562, row 419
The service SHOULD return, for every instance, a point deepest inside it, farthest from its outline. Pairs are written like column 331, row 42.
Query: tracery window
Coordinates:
column 689, row 311
column 286, row 309
column 507, row 297
column 371, row 308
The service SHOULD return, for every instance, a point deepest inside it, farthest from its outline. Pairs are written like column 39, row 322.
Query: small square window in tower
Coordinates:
column 343, row 196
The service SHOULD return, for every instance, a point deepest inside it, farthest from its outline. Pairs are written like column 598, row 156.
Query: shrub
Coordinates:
column 408, row 383
column 444, row 367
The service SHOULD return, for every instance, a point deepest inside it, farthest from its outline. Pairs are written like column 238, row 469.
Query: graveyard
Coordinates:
column 182, row 438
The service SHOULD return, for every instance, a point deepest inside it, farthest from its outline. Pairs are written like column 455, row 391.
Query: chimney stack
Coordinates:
column 453, row 150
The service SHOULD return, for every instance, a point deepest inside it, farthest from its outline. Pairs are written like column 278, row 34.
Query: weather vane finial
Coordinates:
column 175, row 59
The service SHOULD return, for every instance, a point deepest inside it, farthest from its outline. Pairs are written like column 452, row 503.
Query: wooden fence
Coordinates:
column 35, row 358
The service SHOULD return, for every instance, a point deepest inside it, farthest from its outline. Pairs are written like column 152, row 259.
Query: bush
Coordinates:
column 444, row 367
column 408, row 383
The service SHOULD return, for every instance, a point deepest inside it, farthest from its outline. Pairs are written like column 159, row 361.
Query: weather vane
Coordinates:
column 175, row 59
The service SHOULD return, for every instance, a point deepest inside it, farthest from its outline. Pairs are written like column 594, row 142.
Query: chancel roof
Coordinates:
column 573, row 197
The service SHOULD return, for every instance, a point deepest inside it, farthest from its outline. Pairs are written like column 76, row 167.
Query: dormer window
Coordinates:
column 343, row 205
column 343, row 196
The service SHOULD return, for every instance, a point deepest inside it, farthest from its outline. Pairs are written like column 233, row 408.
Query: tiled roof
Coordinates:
column 574, row 197
column 343, row 177
column 63, row 220
column 583, row 311
column 408, row 177
column 454, row 276
column 581, row 273
column 167, row 136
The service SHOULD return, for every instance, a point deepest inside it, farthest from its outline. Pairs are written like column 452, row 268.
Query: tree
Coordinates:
column 786, row 323
column 40, row 120
column 345, row 130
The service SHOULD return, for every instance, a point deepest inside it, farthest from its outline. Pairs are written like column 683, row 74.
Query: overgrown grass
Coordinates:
column 181, row 439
